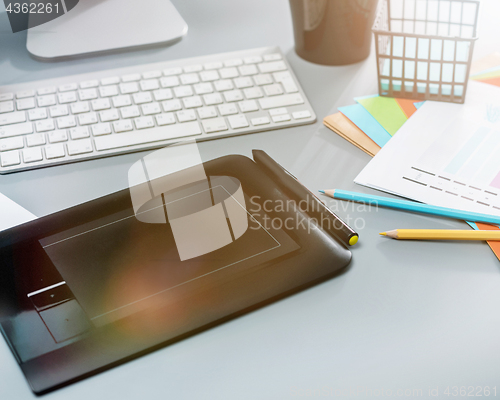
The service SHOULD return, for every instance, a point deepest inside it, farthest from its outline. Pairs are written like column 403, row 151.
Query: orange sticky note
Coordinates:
column 495, row 245
column 407, row 106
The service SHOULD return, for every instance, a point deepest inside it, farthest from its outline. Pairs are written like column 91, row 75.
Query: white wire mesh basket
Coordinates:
column 424, row 48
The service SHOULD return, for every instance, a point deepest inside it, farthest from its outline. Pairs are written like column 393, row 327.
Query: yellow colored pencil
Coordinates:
column 441, row 234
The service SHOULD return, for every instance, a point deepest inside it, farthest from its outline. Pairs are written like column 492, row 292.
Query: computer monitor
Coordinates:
column 99, row 26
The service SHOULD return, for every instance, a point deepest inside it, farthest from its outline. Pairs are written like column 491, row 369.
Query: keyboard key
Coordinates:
column 272, row 66
column 172, row 71
column 301, row 114
column 46, row 101
column 11, row 143
column 289, row 86
column 129, row 88
column 260, row 121
column 109, row 91
column 79, row 133
column 209, row 76
column 242, row 83
column 223, row 85
column 57, row 136
column 207, row 112
column 88, row 119
column 151, row 74
column 37, row 139
column 33, row 154
column 186, row 115
column 246, row 70
column 144, row 122
column 253, row 93
column 67, row 97
column 281, row 76
column 87, row 94
column 36, row 114
column 144, row 97
column 24, row 94
column 10, row 158
column 263, row 79
column 248, row 106
column 114, row 80
column 101, row 104
column 152, row 135
column 193, row 68
column 101, row 129
column 122, row 126
column 6, row 96
column 6, row 106
column 171, row 105
column 212, row 99
column 203, row 88
column 213, row 65
column 214, row 125
column 237, row 121
column 281, row 118
column 233, row 95
column 227, row 73
column 272, row 57
column 122, row 101
column 228, row 109
column 131, row 78
column 12, row 118
column 80, row 147
column 109, row 115
column 89, row 84
column 273, row 90
column 252, row 60
column 26, row 104
column 45, row 126
column 54, row 151
column 183, row 91
column 165, row 119
column 16, row 129
column 278, row 111
column 281, row 101
column 80, row 107
column 163, row 94
column 189, row 79
column 68, row 87
column 66, row 122
column 151, row 109
column 192, row 102
column 150, row 84
column 47, row 90
column 169, row 81
column 130, row 112
column 58, row 111
column 233, row 62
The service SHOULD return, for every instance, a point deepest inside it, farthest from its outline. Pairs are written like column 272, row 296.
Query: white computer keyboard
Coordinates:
column 112, row 112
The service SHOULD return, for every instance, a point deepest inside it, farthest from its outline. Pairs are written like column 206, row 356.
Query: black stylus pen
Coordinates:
column 316, row 208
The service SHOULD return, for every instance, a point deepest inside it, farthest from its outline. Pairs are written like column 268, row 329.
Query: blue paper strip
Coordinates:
column 364, row 121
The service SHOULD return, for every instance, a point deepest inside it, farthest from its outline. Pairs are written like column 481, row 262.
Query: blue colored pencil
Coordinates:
column 411, row 206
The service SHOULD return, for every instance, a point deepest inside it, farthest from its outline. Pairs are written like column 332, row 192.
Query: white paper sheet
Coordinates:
column 12, row 214
column 445, row 154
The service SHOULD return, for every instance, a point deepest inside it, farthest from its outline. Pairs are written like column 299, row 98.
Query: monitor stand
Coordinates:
column 97, row 26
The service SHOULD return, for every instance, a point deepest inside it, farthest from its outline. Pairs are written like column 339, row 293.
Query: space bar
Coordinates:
column 117, row 140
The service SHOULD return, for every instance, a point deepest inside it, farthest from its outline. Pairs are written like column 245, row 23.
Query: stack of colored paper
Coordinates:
column 372, row 121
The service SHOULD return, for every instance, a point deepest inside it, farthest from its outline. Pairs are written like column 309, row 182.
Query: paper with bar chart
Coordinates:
column 446, row 155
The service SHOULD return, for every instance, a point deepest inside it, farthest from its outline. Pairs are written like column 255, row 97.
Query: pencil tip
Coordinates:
column 383, row 233
column 322, row 191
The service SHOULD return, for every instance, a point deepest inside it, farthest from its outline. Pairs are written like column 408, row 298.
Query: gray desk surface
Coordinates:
column 405, row 317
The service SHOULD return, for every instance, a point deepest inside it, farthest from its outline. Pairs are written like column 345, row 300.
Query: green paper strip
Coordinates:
column 385, row 110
